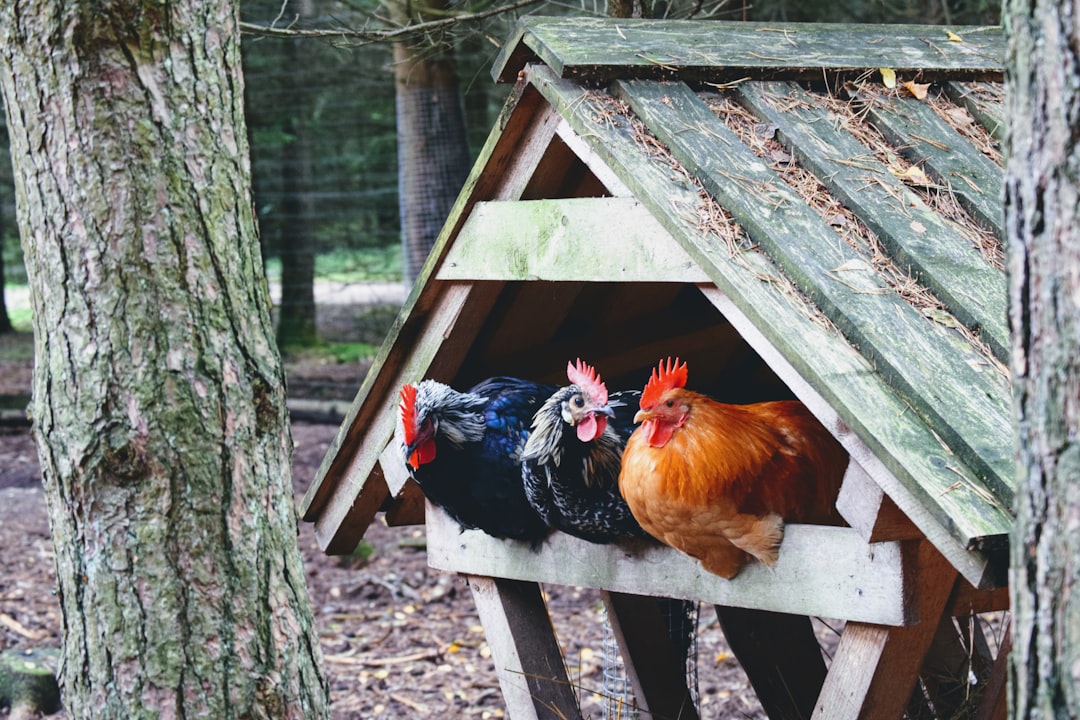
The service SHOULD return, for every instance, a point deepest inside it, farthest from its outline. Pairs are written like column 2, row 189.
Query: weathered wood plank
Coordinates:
column 929, row 503
column 918, row 238
column 925, row 139
column 875, row 668
column 567, row 240
column 530, row 666
column 985, row 101
column 655, row 672
column 925, row 474
column 822, row 571
column 597, row 48
column 966, row 402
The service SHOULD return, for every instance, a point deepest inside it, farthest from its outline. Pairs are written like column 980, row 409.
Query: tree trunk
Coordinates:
column 158, row 406
column 433, row 151
column 296, row 321
column 1042, row 215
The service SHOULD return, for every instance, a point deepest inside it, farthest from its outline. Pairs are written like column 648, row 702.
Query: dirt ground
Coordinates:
column 399, row 639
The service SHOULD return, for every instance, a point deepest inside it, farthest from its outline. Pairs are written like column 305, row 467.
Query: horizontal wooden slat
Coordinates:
column 946, row 156
column 935, row 483
column 580, row 239
column 918, row 238
column 823, row 571
column 598, row 48
column 965, row 400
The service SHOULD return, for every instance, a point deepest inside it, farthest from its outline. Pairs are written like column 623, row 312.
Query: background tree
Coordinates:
column 1042, row 215
column 296, row 322
column 432, row 142
column 158, row 397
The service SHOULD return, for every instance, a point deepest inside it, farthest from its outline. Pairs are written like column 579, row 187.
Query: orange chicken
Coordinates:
column 719, row 481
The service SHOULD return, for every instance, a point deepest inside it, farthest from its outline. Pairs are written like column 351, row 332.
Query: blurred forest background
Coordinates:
column 355, row 125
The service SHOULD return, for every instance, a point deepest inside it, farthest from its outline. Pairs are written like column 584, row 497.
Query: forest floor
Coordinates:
column 399, row 639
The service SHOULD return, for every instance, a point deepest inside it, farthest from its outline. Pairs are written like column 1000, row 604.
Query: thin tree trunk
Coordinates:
column 297, row 320
column 1042, row 217
column 433, row 151
column 158, row 407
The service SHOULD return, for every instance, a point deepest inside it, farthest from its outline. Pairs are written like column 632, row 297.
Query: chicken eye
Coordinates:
column 578, row 401
column 670, row 403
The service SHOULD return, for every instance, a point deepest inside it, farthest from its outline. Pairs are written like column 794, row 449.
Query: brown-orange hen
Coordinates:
column 719, row 481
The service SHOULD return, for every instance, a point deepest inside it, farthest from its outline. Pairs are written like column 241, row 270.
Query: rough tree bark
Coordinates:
column 158, row 408
column 1042, row 214
column 433, row 150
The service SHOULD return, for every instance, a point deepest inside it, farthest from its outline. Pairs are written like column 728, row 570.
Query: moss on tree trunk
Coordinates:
column 159, row 406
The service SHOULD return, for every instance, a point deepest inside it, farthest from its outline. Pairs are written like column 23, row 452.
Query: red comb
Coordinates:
column 408, row 412
column 585, row 377
column 664, row 378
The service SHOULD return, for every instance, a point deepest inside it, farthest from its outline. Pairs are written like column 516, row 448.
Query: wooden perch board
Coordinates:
column 822, row 571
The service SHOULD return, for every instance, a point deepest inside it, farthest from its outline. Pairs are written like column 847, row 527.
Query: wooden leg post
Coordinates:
column 657, row 676
column 530, row 666
column 781, row 657
column 875, row 666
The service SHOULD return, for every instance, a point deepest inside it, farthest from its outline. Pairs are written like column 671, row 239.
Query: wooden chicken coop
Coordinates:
column 806, row 211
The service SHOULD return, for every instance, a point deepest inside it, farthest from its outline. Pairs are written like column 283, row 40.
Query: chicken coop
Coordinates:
column 798, row 211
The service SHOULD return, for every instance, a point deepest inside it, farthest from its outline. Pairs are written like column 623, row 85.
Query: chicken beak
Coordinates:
column 642, row 416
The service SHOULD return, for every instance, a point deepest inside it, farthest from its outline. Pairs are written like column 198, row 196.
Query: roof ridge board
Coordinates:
column 975, row 421
column 949, row 491
column 604, row 48
column 930, row 142
column 974, row 290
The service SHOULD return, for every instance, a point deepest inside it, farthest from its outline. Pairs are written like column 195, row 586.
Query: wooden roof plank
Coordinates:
column 598, row 48
column 983, row 100
column 968, row 404
column 925, row 139
column 972, row 289
column 863, row 401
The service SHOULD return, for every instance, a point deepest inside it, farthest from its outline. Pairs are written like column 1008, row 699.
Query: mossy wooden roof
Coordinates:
column 755, row 199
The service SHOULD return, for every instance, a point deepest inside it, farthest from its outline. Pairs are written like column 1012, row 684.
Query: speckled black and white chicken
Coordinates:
column 570, row 466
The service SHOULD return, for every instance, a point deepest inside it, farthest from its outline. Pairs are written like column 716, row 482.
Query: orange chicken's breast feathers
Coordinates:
column 730, row 476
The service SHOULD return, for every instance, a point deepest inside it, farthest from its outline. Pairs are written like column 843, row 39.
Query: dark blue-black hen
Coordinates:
column 570, row 467
column 464, row 451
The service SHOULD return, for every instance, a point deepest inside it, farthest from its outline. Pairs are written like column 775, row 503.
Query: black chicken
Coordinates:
column 464, row 451
column 570, row 467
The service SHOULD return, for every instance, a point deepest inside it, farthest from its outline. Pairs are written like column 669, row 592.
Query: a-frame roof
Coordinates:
column 759, row 200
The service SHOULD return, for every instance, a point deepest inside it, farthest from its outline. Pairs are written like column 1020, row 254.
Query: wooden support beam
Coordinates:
column 656, row 672
column 528, row 661
column 875, row 668
column 869, row 510
column 781, row 656
column 994, row 704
